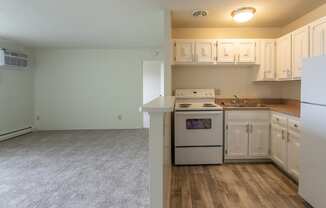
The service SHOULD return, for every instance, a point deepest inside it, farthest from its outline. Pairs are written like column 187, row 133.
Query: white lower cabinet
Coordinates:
column 279, row 146
column 285, row 141
column 259, row 139
column 293, row 154
column 247, row 135
column 237, row 139
column 259, row 135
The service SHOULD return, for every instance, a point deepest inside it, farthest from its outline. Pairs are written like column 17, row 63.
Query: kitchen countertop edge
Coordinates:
column 275, row 108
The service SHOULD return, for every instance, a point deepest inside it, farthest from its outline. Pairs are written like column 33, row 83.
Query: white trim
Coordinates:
column 16, row 133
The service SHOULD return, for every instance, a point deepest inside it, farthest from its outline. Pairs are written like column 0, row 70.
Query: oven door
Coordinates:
column 198, row 128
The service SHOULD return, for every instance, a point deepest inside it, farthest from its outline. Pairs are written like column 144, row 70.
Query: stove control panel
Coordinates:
column 195, row 93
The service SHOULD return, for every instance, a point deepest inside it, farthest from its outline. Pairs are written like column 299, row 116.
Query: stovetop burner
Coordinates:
column 184, row 105
column 208, row 105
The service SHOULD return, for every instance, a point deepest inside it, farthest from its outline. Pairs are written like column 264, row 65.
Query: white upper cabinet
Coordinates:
column 284, row 57
column 184, row 51
column 300, row 50
column 206, row 51
column 318, row 37
column 226, row 51
column 236, row 51
column 222, row 51
column 267, row 60
column 246, row 51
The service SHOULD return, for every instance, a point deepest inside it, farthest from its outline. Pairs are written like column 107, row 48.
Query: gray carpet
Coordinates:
column 75, row 169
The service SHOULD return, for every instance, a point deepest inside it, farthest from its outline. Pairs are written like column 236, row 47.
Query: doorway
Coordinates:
column 153, row 84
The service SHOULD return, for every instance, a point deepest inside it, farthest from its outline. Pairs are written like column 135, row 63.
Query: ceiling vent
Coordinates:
column 199, row 13
column 10, row 58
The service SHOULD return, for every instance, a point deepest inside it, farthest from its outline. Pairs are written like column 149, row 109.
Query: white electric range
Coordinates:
column 198, row 127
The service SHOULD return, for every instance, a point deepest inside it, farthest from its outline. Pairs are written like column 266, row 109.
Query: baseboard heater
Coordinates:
column 15, row 133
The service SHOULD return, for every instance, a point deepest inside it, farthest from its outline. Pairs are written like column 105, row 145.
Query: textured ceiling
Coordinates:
column 270, row 13
column 128, row 23
column 82, row 23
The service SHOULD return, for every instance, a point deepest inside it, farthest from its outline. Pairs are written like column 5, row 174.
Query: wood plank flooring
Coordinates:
column 233, row 186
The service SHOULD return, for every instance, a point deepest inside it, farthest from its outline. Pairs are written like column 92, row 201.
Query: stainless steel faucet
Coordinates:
column 236, row 99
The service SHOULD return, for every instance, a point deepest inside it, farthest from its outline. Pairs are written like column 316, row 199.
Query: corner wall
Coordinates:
column 212, row 33
column 16, row 94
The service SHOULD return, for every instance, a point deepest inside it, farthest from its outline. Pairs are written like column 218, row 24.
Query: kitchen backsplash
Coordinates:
column 232, row 80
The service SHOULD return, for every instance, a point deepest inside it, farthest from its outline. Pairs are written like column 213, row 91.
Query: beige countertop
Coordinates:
column 160, row 104
column 287, row 109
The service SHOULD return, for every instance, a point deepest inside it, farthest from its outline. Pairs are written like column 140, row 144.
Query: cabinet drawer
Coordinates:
column 279, row 120
column 294, row 125
column 245, row 115
column 198, row 155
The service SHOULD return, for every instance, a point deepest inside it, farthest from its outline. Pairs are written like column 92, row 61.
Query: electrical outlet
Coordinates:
column 120, row 117
column 38, row 118
column 217, row 92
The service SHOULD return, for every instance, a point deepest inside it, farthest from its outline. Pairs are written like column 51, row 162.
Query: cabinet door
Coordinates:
column 205, row 51
column 184, row 51
column 259, row 139
column 318, row 37
column 300, row 50
column 268, row 61
column 284, row 57
column 279, row 146
column 237, row 140
column 293, row 153
column 226, row 51
column 246, row 51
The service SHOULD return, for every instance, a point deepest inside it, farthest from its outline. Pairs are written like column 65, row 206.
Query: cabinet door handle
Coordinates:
column 251, row 128
column 282, row 134
column 247, row 128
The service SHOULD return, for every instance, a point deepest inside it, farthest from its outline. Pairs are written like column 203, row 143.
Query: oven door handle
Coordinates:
column 199, row 112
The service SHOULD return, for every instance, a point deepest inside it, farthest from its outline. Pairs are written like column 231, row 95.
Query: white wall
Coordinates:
column 89, row 89
column 152, row 80
column 153, row 84
column 16, row 95
column 291, row 90
column 230, row 80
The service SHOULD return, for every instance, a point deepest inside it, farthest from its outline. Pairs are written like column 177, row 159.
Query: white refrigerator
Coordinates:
column 312, row 179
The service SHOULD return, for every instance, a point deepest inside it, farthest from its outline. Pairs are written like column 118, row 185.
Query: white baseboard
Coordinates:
column 16, row 133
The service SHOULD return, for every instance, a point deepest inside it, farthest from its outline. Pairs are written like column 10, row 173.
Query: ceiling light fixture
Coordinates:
column 243, row 14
